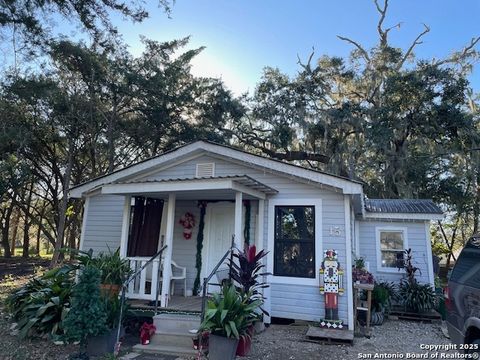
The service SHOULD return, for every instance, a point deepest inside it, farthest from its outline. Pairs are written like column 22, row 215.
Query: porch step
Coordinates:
column 165, row 349
column 173, row 339
column 176, row 323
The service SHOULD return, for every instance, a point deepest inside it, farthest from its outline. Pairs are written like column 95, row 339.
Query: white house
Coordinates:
column 142, row 206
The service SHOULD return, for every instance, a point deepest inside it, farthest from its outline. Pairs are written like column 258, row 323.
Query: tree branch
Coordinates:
column 456, row 57
column 357, row 45
column 414, row 44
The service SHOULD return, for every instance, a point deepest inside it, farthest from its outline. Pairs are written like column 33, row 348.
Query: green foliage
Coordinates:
column 87, row 316
column 380, row 297
column 114, row 270
column 417, row 297
column 41, row 305
column 198, row 256
column 230, row 313
column 359, row 263
column 112, row 308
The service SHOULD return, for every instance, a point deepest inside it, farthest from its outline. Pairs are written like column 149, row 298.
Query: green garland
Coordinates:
column 246, row 229
column 198, row 257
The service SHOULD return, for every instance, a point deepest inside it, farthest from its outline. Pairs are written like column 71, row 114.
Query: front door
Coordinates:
column 220, row 220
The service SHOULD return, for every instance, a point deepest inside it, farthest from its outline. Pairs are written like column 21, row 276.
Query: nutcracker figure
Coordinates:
column 331, row 285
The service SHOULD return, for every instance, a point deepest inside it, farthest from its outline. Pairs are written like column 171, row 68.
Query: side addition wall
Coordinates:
column 418, row 240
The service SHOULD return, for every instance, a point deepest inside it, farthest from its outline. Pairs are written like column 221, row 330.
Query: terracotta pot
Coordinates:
column 244, row 346
column 109, row 290
column 245, row 343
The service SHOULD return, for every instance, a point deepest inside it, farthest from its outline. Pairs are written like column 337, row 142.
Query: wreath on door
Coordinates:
column 188, row 222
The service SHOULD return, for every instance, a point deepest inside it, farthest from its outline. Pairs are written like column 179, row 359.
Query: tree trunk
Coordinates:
column 39, row 232
column 15, row 221
column 63, row 205
column 27, row 223
column 5, row 230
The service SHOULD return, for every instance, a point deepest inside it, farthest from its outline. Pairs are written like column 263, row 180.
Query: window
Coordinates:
column 294, row 241
column 392, row 246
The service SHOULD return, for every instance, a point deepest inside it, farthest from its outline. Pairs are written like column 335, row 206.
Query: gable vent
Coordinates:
column 205, row 170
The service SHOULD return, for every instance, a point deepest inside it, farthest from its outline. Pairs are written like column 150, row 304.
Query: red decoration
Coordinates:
column 188, row 222
column 146, row 331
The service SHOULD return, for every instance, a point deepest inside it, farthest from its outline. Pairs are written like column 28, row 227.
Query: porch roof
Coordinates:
column 218, row 186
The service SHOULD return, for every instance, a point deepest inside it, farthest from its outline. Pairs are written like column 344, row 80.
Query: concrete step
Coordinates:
column 176, row 323
column 173, row 339
column 165, row 349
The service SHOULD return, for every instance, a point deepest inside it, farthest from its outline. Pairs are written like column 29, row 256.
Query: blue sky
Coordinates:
column 242, row 37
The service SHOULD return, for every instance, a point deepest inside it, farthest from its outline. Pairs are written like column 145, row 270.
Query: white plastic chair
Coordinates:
column 182, row 275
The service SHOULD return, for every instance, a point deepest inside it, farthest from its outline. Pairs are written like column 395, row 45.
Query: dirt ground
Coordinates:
column 282, row 342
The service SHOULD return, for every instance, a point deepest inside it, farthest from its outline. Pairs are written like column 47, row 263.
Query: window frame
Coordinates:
column 317, row 205
column 309, row 240
column 378, row 231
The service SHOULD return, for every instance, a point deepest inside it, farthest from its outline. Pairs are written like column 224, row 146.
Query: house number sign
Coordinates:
column 335, row 231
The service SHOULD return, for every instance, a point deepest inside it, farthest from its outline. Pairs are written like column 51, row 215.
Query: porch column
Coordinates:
column 125, row 226
column 260, row 245
column 238, row 218
column 167, row 258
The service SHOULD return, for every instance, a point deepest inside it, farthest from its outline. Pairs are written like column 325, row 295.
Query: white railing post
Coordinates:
column 167, row 262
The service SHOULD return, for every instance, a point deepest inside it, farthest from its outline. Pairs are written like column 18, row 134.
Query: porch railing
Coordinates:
column 145, row 285
column 127, row 285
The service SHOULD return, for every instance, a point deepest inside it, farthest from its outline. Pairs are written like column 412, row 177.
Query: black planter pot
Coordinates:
column 377, row 318
column 221, row 348
column 103, row 344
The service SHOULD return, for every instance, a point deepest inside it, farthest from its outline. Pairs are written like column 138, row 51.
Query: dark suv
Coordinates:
column 462, row 298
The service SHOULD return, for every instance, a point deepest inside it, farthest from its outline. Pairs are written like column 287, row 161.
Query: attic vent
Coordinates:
column 205, row 170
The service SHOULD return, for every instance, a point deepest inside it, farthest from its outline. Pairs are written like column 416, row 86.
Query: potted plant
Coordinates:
column 228, row 316
column 114, row 270
column 246, row 270
column 105, row 343
column 380, row 299
column 87, row 317
column 360, row 275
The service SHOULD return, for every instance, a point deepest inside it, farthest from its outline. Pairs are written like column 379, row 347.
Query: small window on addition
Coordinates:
column 392, row 245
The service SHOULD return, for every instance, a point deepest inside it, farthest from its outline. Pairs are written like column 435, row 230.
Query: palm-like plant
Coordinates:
column 230, row 313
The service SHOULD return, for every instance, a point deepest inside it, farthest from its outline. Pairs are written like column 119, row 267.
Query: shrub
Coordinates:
column 417, row 297
column 87, row 316
column 40, row 306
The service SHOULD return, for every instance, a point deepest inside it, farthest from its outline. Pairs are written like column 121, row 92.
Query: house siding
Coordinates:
column 284, row 298
column 103, row 229
column 183, row 251
column 417, row 241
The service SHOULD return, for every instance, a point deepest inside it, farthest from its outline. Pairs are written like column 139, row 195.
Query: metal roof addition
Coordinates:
column 403, row 206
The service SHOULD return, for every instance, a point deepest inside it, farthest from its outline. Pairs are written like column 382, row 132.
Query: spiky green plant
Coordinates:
column 230, row 313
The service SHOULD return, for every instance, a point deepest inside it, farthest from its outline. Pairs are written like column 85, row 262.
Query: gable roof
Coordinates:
column 184, row 152
column 402, row 208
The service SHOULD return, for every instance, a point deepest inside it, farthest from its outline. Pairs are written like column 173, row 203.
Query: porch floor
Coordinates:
column 177, row 303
